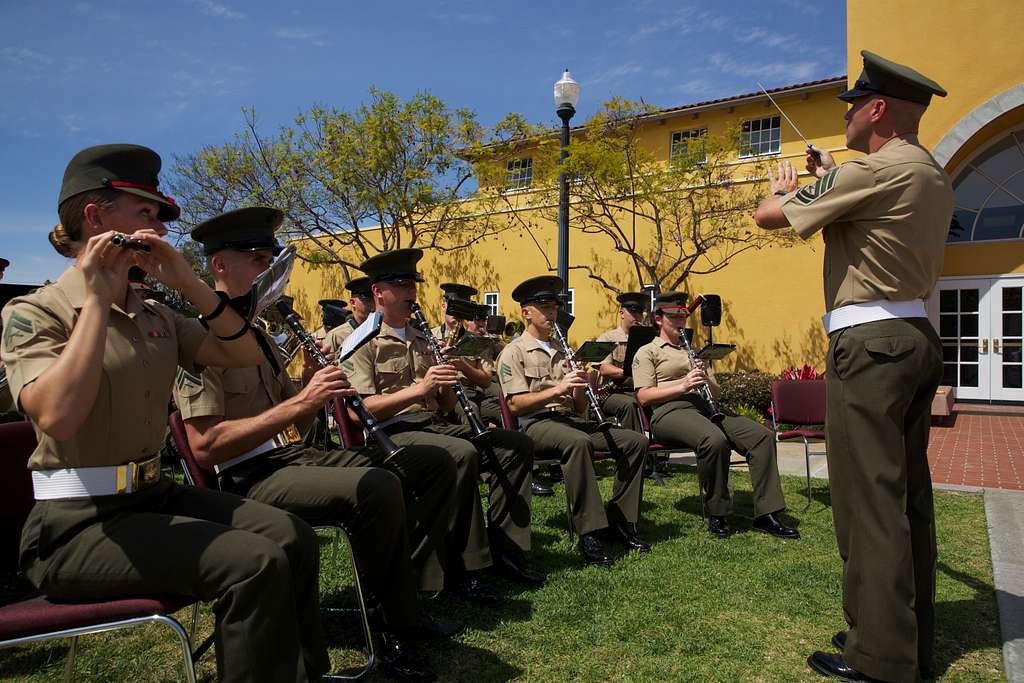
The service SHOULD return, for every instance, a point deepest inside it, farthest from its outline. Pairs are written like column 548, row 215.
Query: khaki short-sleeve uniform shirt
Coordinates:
column 337, row 336
column 526, row 366
column 661, row 364
column 618, row 355
column 387, row 364
column 885, row 218
column 146, row 341
column 232, row 393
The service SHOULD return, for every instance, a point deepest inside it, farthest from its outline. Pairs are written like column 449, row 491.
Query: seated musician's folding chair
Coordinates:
column 654, row 448
column 511, row 423
column 203, row 478
column 35, row 618
column 800, row 402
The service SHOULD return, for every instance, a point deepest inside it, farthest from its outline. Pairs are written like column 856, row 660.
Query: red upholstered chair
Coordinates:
column 203, row 478
column 800, row 402
column 654, row 447
column 36, row 618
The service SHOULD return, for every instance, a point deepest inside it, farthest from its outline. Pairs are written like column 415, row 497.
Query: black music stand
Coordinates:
column 639, row 335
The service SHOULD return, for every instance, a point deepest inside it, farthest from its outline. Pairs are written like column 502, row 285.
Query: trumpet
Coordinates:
column 478, row 428
column 126, row 242
column 390, row 448
column 603, row 423
column 705, row 390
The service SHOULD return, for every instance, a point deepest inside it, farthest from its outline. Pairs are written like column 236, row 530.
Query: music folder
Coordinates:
column 362, row 334
column 715, row 351
column 470, row 345
column 639, row 335
column 594, row 351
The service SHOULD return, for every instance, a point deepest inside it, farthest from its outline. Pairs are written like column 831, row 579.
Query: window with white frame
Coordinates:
column 760, row 136
column 570, row 302
column 491, row 301
column 519, row 173
column 686, row 143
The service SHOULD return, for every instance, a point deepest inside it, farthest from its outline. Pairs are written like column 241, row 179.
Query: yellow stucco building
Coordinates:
column 772, row 298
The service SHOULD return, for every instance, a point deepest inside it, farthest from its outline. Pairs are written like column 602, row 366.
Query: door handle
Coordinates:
column 995, row 346
column 984, row 345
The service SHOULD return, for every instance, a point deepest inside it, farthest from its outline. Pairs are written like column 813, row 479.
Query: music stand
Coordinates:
column 639, row 335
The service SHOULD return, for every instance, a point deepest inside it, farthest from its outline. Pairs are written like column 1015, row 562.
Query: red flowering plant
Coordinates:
column 806, row 372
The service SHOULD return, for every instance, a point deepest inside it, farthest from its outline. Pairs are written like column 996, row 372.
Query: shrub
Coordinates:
column 746, row 388
column 750, row 412
column 806, row 372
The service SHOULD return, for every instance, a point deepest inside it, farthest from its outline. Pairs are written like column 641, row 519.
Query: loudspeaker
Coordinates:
column 711, row 310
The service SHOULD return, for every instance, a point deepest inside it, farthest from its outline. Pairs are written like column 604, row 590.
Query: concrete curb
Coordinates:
column 1005, row 512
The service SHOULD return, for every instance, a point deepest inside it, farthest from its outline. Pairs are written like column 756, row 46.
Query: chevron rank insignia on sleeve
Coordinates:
column 17, row 326
column 506, row 371
column 811, row 193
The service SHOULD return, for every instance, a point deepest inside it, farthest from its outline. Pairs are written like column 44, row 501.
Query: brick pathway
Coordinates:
column 982, row 446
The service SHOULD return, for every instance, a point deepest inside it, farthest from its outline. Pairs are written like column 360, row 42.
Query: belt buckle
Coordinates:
column 134, row 475
column 288, row 436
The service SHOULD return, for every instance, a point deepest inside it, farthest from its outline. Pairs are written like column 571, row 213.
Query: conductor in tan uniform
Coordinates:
column 246, row 424
column 106, row 524
column 885, row 217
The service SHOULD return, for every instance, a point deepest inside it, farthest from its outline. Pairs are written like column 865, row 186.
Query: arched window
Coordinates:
column 989, row 191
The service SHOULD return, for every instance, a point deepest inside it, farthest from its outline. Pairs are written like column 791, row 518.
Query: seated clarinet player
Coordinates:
column 361, row 303
column 408, row 384
column 677, row 389
column 246, row 424
column 620, row 402
column 91, row 363
column 551, row 405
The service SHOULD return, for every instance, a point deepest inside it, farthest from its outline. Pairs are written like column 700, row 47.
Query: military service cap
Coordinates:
column 482, row 311
column 883, row 77
column 540, row 288
column 359, row 286
column 454, row 290
column 634, row 301
column 128, row 168
column 249, row 229
column 399, row 264
column 4, row 263
column 333, row 303
column 670, row 300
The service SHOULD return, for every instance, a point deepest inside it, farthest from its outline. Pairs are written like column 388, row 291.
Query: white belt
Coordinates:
column 288, row 436
column 87, row 482
column 869, row 312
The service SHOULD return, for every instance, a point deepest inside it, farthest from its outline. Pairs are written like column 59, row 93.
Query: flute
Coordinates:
column 479, row 430
column 390, row 448
column 126, row 242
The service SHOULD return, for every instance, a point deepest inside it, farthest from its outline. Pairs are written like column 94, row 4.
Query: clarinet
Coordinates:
column 604, row 423
column 369, row 421
column 478, row 428
column 705, row 390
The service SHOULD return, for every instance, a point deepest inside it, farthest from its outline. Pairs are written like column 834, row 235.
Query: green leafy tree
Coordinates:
column 388, row 175
column 668, row 221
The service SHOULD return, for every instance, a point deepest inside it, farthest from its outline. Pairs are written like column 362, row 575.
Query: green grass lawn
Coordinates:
column 750, row 608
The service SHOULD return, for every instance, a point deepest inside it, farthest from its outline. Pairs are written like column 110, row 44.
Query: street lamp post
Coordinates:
column 567, row 94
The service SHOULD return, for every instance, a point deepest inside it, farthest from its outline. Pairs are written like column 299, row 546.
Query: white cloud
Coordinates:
column 72, row 122
column 770, row 39
column 791, row 72
column 615, row 73
column 217, row 9
column 315, row 37
column 24, row 58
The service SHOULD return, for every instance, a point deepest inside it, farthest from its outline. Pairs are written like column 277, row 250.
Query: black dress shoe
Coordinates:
column 538, row 489
column 400, row 660
column 516, row 569
column 472, row 586
column 833, row 666
column 593, row 551
column 839, row 640
column 432, row 627
column 625, row 534
column 771, row 524
column 555, row 473
column 718, row 526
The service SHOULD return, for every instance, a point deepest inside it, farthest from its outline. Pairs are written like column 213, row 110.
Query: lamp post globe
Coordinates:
column 567, row 94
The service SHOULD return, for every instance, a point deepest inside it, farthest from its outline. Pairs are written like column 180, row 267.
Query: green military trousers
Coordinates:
column 365, row 501
column 485, row 402
column 573, row 440
column 504, row 461
column 622, row 406
column 685, row 423
column 881, row 378
column 428, row 479
column 259, row 565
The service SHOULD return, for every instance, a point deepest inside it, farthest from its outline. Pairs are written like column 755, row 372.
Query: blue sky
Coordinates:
column 174, row 75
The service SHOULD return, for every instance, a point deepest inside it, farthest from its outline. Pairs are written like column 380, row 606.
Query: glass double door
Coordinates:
column 979, row 321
